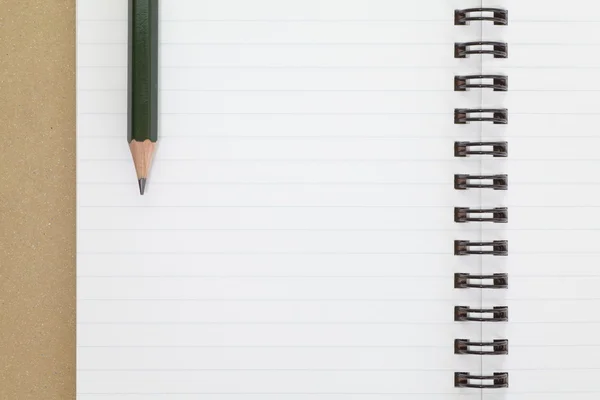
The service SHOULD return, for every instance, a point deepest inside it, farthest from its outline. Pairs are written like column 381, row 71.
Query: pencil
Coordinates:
column 142, row 82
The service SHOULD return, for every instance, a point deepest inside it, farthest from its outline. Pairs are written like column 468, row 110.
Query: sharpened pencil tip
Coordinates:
column 142, row 183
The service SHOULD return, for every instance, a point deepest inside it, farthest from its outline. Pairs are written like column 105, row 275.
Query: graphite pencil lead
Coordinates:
column 142, row 183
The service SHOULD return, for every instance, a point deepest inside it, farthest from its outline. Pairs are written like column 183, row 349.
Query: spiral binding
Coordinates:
column 463, row 281
column 463, row 182
column 498, row 314
column 499, row 115
column 496, row 347
column 499, row 16
column 499, row 215
column 498, row 380
column 497, row 49
column 495, row 149
column 499, row 83
column 497, row 248
column 462, row 149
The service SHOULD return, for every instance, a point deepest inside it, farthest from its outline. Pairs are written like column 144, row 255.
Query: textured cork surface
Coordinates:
column 37, row 199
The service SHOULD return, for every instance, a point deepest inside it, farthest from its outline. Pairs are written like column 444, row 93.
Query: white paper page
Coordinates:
column 296, row 238
column 553, row 200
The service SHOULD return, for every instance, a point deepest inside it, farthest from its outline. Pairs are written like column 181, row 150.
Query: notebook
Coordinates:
column 351, row 199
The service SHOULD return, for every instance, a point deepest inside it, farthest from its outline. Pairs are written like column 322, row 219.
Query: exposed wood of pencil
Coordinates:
column 142, row 153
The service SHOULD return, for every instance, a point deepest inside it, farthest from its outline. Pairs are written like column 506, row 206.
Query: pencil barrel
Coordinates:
column 142, row 74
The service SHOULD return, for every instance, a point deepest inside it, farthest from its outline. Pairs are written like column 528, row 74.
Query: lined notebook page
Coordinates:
column 553, row 164
column 295, row 241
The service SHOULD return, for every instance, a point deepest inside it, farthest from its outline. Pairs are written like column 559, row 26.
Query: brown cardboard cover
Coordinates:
column 37, row 199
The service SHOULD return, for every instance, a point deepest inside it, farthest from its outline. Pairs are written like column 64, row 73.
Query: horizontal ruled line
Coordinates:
column 335, row 20
column 316, row 369
column 361, row 323
column 449, row 159
column 278, row 20
column 265, row 369
column 349, row 229
column 259, row 253
column 513, row 277
column 165, row 136
column 351, row 20
column 267, row 300
column 293, row 90
column 383, row 206
column 320, row 394
column 280, row 184
column 273, row 393
column 449, row 113
column 451, row 300
column 415, row 67
column 439, row 276
column 397, row 44
column 341, row 90
column 260, row 347
column 321, row 253
column 321, row 160
column 512, row 345
column 315, row 43
column 282, row 113
column 189, row 184
column 258, row 277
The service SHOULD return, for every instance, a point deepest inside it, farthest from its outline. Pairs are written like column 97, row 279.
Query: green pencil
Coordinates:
column 142, row 91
